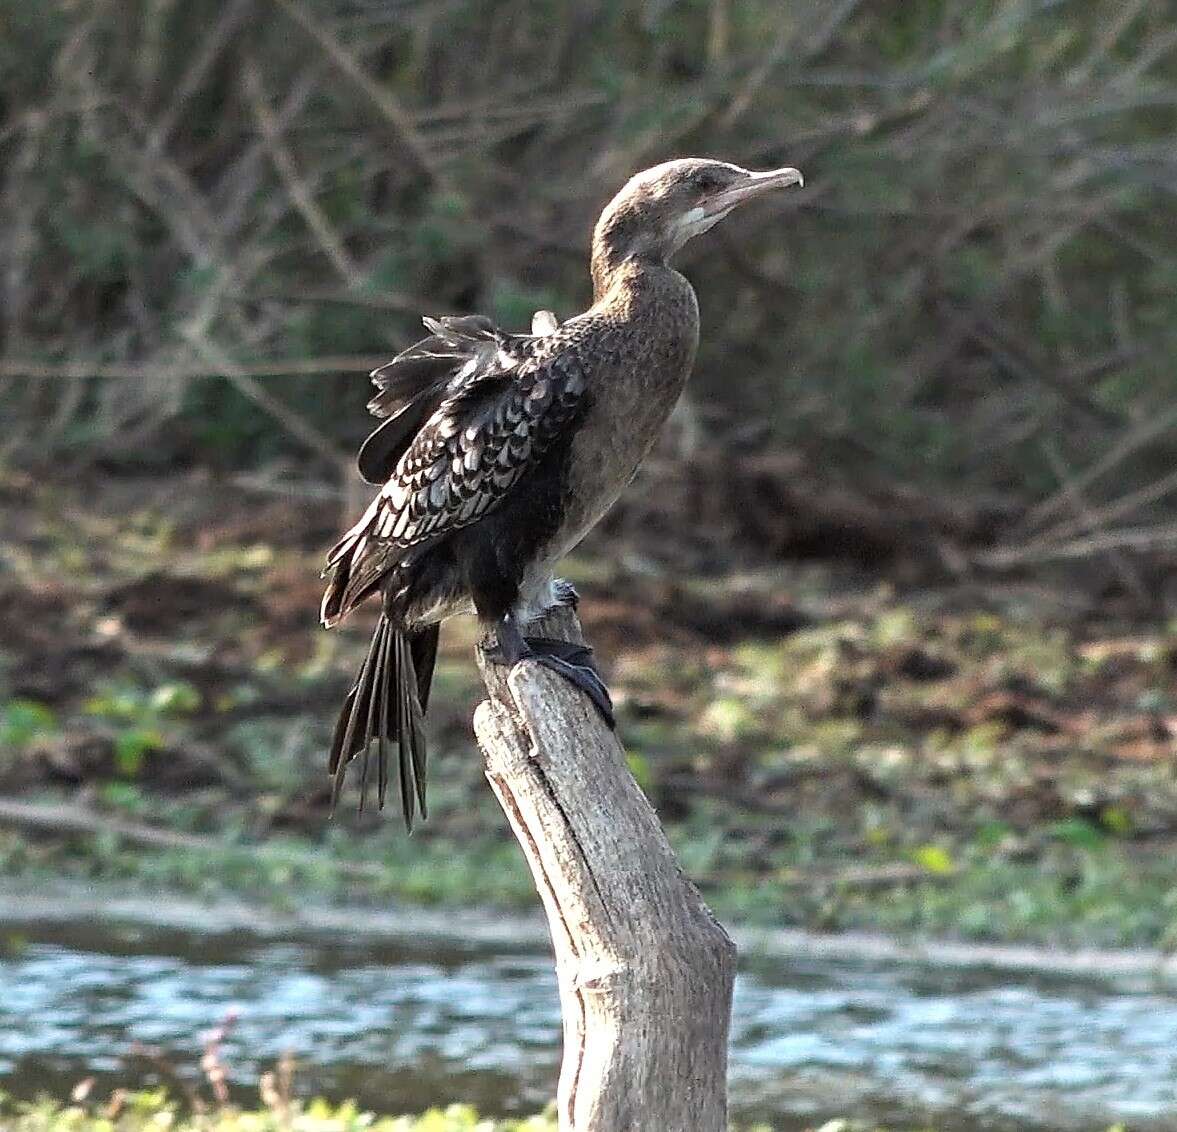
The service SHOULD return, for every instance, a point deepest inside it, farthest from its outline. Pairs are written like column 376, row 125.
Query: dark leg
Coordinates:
column 511, row 647
column 565, row 593
column 571, row 661
column 490, row 559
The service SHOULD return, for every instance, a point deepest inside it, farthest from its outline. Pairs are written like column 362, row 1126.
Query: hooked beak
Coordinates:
column 753, row 186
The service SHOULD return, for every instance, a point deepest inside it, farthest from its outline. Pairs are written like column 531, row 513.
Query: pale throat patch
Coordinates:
column 695, row 222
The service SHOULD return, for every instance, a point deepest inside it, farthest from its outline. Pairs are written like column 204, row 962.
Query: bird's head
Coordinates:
column 661, row 208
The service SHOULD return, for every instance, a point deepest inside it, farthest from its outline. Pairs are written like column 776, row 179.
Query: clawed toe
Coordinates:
column 572, row 661
column 587, row 680
column 581, row 655
column 565, row 594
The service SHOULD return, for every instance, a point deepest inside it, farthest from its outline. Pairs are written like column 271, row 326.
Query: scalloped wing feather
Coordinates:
column 458, row 450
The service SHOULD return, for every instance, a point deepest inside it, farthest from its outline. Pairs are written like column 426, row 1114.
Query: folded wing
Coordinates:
column 469, row 410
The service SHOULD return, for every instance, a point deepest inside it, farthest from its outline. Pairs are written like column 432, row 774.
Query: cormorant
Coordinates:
column 499, row 451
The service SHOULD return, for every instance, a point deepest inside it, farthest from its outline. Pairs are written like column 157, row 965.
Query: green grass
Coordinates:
column 1094, row 893
column 154, row 1112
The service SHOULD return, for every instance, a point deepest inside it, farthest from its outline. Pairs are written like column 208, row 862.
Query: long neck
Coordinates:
column 655, row 310
column 621, row 243
column 634, row 281
column 612, row 275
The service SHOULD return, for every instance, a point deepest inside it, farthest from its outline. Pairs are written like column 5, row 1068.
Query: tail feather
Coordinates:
column 423, row 657
column 344, row 743
column 379, row 676
column 413, row 714
column 387, row 717
column 424, row 649
column 385, row 704
column 404, row 692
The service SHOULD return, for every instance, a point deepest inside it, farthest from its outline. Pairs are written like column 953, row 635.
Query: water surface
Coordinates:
column 400, row 1026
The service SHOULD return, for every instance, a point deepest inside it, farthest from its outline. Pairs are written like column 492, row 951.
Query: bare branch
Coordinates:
column 218, row 37
column 293, row 422
column 182, row 371
column 380, row 97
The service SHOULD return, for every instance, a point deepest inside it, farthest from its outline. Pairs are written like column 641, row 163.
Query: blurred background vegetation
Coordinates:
column 216, row 212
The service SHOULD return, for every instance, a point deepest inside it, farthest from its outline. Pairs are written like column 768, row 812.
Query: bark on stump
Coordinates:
column 645, row 970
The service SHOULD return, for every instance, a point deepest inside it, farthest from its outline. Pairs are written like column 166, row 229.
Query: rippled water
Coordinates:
column 400, row 1027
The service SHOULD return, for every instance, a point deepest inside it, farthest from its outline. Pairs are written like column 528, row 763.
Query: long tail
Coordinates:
column 386, row 705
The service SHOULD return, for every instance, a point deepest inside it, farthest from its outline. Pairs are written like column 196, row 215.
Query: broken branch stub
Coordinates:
column 645, row 970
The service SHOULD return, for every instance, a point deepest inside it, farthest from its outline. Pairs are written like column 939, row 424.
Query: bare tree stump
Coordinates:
column 645, row 970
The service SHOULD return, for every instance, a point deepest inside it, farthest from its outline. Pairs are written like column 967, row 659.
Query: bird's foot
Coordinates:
column 575, row 664
column 564, row 650
column 572, row 661
column 565, row 594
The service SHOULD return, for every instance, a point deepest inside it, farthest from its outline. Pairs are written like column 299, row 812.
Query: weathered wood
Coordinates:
column 645, row 970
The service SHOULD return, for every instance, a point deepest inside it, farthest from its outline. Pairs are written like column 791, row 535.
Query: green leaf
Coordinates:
column 122, row 796
column 117, row 703
column 934, row 859
column 23, row 720
column 1078, row 832
column 132, row 747
column 176, row 698
column 639, row 767
column 991, row 834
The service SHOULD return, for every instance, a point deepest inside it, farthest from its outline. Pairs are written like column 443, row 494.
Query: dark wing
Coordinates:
column 411, row 385
column 472, row 438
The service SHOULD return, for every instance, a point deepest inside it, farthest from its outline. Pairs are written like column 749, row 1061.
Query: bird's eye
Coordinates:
column 707, row 180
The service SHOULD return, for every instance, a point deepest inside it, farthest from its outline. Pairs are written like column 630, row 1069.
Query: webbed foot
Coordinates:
column 573, row 662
